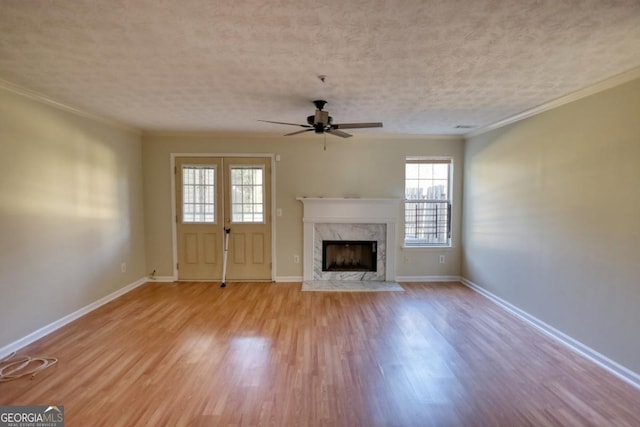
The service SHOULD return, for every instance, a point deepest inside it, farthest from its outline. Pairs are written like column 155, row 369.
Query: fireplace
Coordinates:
column 349, row 255
column 349, row 219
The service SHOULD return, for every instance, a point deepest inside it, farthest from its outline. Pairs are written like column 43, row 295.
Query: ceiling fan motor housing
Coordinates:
column 321, row 122
column 321, row 117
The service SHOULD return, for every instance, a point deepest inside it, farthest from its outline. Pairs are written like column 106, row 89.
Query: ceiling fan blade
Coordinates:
column 356, row 125
column 298, row 131
column 339, row 133
column 283, row 123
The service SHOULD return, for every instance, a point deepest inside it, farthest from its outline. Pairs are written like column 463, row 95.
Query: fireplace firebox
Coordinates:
column 349, row 255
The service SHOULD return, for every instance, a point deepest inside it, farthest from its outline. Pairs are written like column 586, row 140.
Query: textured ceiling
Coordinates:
column 421, row 67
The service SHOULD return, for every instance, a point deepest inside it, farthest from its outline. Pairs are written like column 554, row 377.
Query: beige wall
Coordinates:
column 552, row 219
column 365, row 166
column 70, row 212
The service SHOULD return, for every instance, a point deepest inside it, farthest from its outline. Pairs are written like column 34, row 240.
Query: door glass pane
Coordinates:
column 247, row 197
column 198, row 194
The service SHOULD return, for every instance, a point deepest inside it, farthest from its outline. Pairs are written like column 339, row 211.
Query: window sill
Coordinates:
column 425, row 247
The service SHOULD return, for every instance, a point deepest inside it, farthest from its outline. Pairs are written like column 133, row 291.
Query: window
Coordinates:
column 198, row 194
column 427, row 219
column 247, row 197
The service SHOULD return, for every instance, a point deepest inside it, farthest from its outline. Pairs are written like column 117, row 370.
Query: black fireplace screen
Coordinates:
column 349, row 255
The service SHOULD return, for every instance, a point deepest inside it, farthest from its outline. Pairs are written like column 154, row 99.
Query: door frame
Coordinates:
column 174, row 228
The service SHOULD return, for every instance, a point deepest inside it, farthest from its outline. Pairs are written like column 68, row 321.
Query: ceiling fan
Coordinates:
column 322, row 122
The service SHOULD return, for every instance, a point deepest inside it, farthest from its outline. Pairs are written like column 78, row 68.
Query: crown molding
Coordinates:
column 602, row 85
column 566, row 99
column 36, row 96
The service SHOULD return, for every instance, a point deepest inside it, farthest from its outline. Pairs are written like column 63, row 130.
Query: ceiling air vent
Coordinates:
column 464, row 126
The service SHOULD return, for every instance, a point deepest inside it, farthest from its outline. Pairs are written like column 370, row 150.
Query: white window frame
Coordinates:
column 418, row 243
column 215, row 193
column 264, row 205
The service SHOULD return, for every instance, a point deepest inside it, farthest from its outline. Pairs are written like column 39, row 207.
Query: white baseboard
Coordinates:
column 167, row 279
column 46, row 330
column 398, row 279
column 162, row 279
column 289, row 279
column 599, row 359
column 427, row 278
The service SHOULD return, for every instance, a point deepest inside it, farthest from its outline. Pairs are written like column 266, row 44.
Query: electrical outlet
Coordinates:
column 296, row 259
column 441, row 259
column 123, row 267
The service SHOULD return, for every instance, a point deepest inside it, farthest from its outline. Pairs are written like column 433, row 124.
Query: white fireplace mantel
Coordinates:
column 320, row 210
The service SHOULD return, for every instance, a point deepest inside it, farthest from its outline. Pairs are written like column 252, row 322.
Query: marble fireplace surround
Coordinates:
column 349, row 219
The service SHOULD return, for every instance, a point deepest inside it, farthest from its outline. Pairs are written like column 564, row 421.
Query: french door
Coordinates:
column 218, row 193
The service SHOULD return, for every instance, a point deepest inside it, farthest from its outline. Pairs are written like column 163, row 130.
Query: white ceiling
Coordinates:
column 421, row 67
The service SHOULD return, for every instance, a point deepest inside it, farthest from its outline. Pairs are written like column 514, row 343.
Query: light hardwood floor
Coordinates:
column 268, row 354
